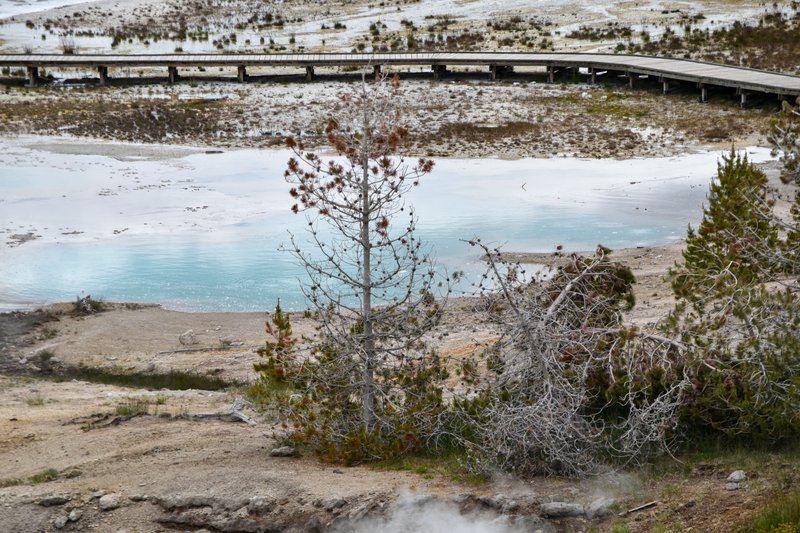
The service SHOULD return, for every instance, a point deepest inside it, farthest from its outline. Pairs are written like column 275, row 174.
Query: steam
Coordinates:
column 421, row 513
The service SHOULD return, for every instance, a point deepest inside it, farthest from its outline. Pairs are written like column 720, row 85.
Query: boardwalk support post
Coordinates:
column 743, row 95
column 242, row 73
column 631, row 80
column 376, row 70
column 33, row 76
column 439, row 71
column 703, row 92
column 173, row 74
column 664, row 86
column 551, row 74
column 309, row 73
column 103, row 73
column 497, row 71
column 592, row 76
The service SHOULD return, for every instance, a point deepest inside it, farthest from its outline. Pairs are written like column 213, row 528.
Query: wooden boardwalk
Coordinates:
column 665, row 69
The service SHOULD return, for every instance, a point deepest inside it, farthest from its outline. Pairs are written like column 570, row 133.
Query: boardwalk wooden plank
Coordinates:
column 715, row 74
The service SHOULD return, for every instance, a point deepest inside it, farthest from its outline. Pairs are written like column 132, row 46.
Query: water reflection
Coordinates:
column 202, row 232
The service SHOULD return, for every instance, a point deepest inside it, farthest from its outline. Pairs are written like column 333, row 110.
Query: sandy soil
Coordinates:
column 151, row 456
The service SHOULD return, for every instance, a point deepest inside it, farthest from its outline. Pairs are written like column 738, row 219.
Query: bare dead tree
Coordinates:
column 563, row 359
column 371, row 281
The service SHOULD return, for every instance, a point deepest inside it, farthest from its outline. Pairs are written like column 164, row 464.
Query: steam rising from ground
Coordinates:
column 424, row 513
column 416, row 513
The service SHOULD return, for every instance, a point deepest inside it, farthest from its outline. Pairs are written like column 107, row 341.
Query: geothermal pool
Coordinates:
column 201, row 231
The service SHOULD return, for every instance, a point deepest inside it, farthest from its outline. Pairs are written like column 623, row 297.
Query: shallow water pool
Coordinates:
column 199, row 232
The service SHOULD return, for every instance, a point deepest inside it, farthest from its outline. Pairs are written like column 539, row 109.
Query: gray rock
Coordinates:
column 332, row 504
column 599, row 508
column 173, row 503
column 109, row 502
column 170, row 503
column 283, row 451
column 737, row 477
column 60, row 521
column 509, row 506
column 731, row 486
column 561, row 509
column 261, row 505
column 139, row 498
column 187, row 338
column 75, row 515
column 362, row 510
column 230, row 340
column 97, row 494
column 53, row 500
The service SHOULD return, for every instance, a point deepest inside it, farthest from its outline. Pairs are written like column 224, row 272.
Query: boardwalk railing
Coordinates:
column 744, row 80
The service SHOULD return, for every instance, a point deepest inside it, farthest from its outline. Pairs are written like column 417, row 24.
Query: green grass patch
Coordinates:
column 781, row 516
column 450, row 464
column 10, row 483
column 740, row 453
column 139, row 406
column 49, row 474
column 172, row 380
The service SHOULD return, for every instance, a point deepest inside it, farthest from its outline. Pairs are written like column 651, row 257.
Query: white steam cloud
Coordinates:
column 419, row 513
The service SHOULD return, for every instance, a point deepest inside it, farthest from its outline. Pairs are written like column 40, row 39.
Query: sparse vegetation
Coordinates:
column 45, row 361
column 772, row 42
column 67, row 45
column 780, row 516
column 134, row 407
column 49, row 474
column 87, row 305
column 35, row 400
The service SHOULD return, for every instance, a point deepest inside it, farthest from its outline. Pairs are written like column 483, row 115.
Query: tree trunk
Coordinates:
column 368, row 392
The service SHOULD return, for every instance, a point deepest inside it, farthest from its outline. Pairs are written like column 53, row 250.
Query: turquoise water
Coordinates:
column 145, row 235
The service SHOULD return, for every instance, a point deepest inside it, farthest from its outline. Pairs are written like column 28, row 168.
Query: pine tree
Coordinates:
column 716, row 261
column 740, row 330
